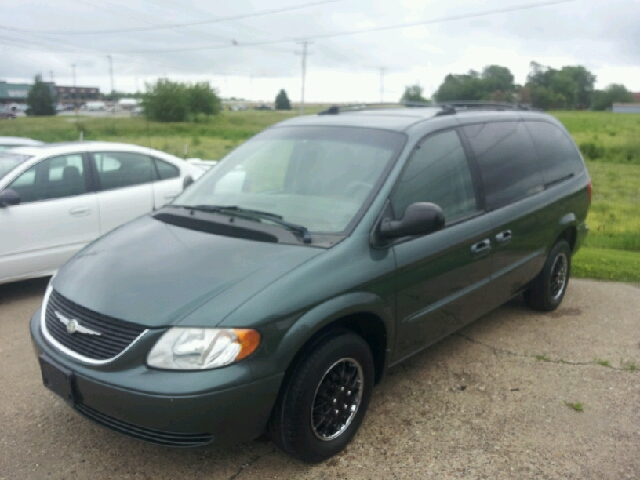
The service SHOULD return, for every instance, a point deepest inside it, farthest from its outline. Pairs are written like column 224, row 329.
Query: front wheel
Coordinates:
column 548, row 288
column 325, row 400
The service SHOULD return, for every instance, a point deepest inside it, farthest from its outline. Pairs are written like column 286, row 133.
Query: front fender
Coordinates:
column 278, row 352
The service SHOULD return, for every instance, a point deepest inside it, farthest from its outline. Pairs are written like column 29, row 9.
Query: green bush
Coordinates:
column 167, row 101
column 591, row 151
column 39, row 99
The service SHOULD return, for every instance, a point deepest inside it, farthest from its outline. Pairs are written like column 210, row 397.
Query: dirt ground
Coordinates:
column 488, row 403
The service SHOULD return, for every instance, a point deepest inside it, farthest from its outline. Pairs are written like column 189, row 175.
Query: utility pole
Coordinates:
column 304, row 43
column 111, row 72
column 382, row 70
column 75, row 90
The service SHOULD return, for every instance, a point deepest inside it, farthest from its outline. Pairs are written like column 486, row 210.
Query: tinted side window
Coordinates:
column 166, row 170
column 557, row 154
column 55, row 177
column 507, row 161
column 437, row 172
column 122, row 169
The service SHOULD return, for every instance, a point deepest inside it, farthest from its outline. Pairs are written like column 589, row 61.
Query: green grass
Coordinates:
column 603, row 363
column 610, row 143
column 604, row 264
column 628, row 366
column 543, row 358
column 577, row 406
column 210, row 139
column 605, row 136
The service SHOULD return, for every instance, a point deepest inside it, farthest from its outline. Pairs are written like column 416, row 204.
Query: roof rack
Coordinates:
column 356, row 107
column 453, row 107
column 446, row 108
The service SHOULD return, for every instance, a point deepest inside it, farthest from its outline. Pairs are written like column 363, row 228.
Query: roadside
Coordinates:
column 494, row 401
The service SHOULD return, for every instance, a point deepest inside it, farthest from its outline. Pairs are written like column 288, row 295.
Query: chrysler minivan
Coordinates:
column 275, row 291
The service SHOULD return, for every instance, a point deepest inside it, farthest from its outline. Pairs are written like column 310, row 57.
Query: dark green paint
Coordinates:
column 419, row 289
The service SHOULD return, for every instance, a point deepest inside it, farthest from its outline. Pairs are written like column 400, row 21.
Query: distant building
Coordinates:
column 17, row 92
column 636, row 97
column 77, row 95
column 626, row 108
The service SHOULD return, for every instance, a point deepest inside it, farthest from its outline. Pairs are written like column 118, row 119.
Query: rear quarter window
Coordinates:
column 507, row 161
column 557, row 154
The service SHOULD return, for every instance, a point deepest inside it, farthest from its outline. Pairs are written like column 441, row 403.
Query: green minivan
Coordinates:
column 276, row 290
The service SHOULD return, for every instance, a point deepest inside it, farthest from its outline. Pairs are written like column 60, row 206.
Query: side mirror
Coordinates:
column 188, row 180
column 9, row 197
column 419, row 218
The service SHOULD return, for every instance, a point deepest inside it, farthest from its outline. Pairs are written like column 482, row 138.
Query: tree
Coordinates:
column 203, row 99
column 39, row 99
column 413, row 93
column 494, row 83
column 167, row 101
column 571, row 87
column 461, row 87
column 614, row 93
column 282, row 101
column 497, row 79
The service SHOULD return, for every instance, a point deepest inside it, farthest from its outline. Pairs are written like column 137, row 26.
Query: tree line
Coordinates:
column 569, row 88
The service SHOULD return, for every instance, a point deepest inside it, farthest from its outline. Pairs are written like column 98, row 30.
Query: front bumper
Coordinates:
column 169, row 408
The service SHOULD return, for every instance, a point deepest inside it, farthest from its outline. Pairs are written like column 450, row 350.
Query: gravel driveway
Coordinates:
column 490, row 402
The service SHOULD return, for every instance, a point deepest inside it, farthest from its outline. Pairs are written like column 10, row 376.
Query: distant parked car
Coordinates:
column 6, row 113
column 56, row 198
column 263, row 107
column 13, row 142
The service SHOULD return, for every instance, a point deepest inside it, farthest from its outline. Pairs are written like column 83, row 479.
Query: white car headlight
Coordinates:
column 202, row 348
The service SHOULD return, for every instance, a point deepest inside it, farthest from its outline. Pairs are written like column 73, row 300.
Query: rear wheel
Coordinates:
column 548, row 288
column 325, row 400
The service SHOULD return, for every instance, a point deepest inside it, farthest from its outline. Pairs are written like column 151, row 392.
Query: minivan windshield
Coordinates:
column 316, row 177
column 9, row 161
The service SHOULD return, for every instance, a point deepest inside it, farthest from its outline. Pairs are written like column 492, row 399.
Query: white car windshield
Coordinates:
column 317, row 177
column 9, row 161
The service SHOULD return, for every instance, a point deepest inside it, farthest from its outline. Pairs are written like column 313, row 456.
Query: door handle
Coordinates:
column 171, row 196
column 503, row 236
column 481, row 246
column 80, row 211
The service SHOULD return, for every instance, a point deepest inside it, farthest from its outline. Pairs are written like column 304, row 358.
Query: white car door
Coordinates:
column 169, row 184
column 125, row 182
column 56, row 217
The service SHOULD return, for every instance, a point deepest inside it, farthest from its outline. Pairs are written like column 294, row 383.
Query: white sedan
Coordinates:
column 56, row 198
column 12, row 142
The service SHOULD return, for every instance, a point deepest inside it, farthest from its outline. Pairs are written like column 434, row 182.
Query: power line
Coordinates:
column 171, row 25
column 449, row 18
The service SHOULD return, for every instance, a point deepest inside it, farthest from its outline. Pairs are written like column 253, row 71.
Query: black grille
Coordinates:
column 116, row 335
column 150, row 435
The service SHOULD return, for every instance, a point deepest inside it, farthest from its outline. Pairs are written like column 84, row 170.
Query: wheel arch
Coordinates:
column 364, row 314
column 567, row 230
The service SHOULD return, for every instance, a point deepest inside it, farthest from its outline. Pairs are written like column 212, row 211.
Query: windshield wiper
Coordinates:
column 251, row 214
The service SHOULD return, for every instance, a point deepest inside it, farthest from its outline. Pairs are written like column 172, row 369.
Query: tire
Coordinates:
column 548, row 289
column 338, row 371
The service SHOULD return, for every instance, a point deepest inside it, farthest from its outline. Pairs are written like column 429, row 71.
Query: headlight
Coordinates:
column 202, row 348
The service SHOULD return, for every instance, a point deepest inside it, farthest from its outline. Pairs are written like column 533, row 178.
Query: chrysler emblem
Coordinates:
column 71, row 326
column 74, row 326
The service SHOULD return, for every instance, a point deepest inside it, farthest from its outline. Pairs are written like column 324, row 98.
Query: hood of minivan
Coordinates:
column 155, row 274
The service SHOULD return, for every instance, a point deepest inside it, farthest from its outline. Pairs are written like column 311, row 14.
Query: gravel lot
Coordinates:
column 488, row 402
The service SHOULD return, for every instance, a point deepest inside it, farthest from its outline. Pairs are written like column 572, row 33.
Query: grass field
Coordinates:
column 609, row 142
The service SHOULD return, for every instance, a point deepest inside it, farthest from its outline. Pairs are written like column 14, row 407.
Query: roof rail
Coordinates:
column 446, row 108
column 452, row 107
column 355, row 107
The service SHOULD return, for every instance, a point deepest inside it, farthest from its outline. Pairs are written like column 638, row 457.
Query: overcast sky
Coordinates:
column 49, row 36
